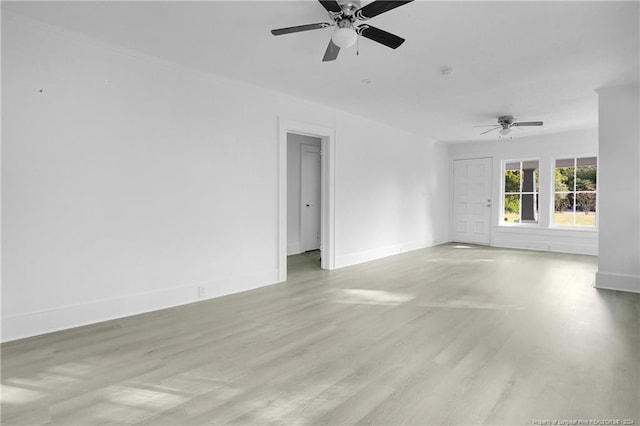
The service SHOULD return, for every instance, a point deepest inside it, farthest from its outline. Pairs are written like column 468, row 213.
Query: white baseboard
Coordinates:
column 553, row 247
column 378, row 253
column 36, row 323
column 620, row 282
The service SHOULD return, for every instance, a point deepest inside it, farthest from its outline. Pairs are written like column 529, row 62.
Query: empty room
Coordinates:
column 320, row 212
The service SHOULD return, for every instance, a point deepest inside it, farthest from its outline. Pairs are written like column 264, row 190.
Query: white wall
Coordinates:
column 293, row 188
column 546, row 148
column 129, row 182
column 618, row 176
column 391, row 192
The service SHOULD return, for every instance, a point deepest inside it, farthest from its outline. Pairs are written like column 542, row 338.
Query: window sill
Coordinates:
column 520, row 225
column 537, row 228
column 575, row 228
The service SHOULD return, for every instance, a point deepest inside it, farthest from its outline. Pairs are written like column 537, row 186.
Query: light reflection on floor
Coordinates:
column 370, row 297
column 458, row 261
column 137, row 397
column 18, row 395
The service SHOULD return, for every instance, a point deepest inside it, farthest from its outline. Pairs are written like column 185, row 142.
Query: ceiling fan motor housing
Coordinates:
column 345, row 23
column 506, row 121
column 349, row 7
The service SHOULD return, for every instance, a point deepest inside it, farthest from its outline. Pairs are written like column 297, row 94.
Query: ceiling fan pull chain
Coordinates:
column 357, row 44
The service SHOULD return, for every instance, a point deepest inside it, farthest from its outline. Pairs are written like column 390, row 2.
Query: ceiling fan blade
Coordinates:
column 331, row 53
column 491, row 130
column 331, row 6
column 527, row 123
column 485, row 125
column 297, row 29
column 377, row 7
column 381, row 36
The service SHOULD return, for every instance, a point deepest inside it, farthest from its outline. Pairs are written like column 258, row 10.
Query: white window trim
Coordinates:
column 501, row 221
column 552, row 207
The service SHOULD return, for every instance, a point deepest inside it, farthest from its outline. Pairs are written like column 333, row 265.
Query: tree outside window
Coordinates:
column 575, row 192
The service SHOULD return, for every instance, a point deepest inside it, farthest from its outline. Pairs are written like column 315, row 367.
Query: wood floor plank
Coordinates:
column 453, row 334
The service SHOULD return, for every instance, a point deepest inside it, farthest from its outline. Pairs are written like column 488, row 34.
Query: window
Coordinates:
column 521, row 185
column 575, row 192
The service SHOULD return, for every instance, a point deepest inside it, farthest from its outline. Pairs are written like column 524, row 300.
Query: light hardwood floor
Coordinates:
column 446, row 335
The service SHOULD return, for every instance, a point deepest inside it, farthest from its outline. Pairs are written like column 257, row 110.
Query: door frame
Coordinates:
column 327, row 191
column 491, row 191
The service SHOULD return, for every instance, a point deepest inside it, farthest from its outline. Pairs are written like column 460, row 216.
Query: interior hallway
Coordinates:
column 450, row 334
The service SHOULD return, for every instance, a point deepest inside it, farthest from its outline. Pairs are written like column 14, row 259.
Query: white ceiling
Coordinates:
column 537, row 60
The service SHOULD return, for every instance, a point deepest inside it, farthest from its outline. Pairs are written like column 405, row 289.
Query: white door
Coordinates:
column 310, row 197
column 472, row 201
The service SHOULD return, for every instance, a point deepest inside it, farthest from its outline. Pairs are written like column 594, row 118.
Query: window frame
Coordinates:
column 574, row 227
column 535, row 193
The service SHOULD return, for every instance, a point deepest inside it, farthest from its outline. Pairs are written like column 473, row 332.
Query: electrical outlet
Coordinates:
column 202, row 292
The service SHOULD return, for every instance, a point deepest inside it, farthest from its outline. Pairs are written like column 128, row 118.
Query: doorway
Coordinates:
column 472, row 201
column 306, row 213
column 303, row 193
column 310, row 198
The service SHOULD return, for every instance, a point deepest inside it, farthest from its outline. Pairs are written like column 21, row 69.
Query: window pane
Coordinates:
column 586, row 218
column 512, row 165
column 512, row 208
column 565, row 162
column 564, row 178
column 586, row 178
column 512, row 177
column 564, row 210
column 586, row 202
column 512, row 180
column 564, row 218
column 587, row 161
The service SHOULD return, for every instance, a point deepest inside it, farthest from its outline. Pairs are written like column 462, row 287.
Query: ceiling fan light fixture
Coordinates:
column 344, row 37
column 505, row 131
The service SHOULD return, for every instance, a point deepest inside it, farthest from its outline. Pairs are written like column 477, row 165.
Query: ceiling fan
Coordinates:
column 506, row 122
column 344, row 14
